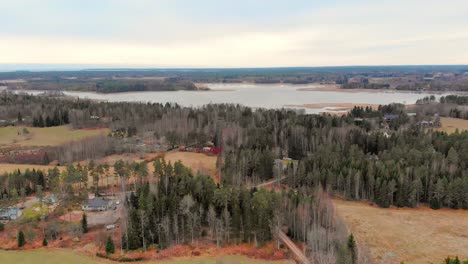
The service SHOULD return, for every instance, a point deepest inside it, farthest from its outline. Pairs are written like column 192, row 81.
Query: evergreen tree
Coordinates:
column 84, row 224
column 110, row 247
column 21, row 240
column 44, row 242
column 352, row 248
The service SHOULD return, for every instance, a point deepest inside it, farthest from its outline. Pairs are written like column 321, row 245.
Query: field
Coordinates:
column 4, row 167
column 196, row 161
column 49, row 136
column 411, row 235
column 450, row 124
column 57, row 256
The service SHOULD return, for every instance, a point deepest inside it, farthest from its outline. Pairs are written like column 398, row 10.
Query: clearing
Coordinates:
column 412, row 235
column 450, row 124
column 58, row 256
column 196, row 161
column 47, row 136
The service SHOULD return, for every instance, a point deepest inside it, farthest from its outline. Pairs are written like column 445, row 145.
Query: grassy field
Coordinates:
column 412, row 235
column 449, row 124
column 6, row 167
column 49, row 136
column 57, row 256
column 196, row 161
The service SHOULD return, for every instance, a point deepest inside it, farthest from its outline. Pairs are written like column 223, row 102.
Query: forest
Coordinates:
column 452, row 78
column 403, row 167
column 360, row 156
column 455, row 106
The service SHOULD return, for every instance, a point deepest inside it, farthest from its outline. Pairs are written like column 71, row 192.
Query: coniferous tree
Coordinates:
column 352, row 248
column 84, row 223
column 110, row 247
column 21, row 240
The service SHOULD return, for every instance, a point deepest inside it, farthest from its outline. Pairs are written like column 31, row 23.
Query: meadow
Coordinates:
column 412, row 235
column 48, row 136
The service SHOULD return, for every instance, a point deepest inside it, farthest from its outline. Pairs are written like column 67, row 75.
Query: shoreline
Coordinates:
column 335, row 88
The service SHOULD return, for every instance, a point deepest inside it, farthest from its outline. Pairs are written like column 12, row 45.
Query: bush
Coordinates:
column 2, row 227
column 52, row 230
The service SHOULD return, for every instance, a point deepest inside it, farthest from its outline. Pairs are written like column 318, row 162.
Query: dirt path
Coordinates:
column 296, row 251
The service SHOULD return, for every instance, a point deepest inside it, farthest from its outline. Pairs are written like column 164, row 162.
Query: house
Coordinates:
column 96, row 204
column 390, row 116
column 10, row 213
column 50, row 199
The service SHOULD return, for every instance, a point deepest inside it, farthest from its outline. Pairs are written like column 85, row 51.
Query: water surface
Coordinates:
column 259, row 95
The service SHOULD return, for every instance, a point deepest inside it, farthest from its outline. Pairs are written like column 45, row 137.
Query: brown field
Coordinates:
column 49, row 136
column 450, row 124
column 196, row 161
column 22, row 167
column 420, row 235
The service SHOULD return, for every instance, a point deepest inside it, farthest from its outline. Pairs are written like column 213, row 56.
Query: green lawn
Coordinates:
column 57, row 256
column 48, row 136
column 35, row 211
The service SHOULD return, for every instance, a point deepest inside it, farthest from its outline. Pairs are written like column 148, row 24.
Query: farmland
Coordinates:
column 450, row 125
column 49, row 136
column 412, row 235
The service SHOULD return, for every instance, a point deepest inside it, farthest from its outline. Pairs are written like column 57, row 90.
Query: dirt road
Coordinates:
column 296, row 251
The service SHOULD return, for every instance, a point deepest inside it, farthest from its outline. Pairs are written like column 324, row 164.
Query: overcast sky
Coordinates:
column 241, row 33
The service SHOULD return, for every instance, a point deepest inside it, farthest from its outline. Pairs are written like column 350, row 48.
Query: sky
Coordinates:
column 241, row 33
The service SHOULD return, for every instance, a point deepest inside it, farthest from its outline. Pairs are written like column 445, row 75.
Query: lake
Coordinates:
column 261, row 95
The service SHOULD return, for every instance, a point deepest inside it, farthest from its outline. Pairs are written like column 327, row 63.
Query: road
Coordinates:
column 296, row 251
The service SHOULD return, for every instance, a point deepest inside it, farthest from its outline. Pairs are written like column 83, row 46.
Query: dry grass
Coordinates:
column 196, row 161
column 411, row 235
column 22, row 167
column 68, row 256
column 450, row 124
column 49, row 136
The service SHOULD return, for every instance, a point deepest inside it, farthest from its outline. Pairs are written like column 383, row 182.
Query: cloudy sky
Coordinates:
column 241, row 33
